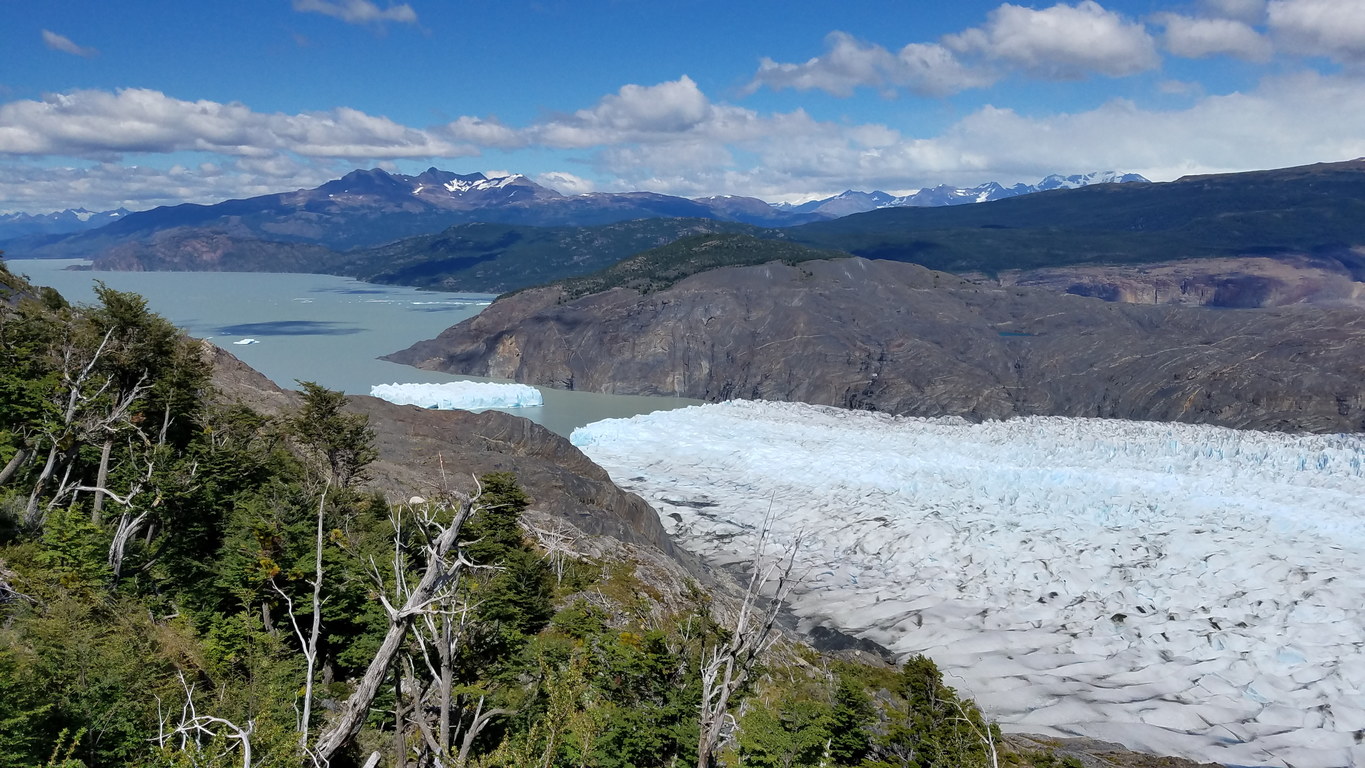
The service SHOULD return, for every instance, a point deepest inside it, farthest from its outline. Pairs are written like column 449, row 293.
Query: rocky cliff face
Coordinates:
column 1242, row 282
column 902, row 339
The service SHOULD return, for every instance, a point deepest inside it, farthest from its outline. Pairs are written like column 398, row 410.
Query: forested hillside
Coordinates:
column 185, row 581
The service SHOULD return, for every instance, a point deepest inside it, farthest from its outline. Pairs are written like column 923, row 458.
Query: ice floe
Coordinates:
column 246, row 341
column 1187, row 590
column 466, row 395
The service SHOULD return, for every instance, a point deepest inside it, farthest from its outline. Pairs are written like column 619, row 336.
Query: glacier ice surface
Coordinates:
column 465, row 395
column 1184, row 589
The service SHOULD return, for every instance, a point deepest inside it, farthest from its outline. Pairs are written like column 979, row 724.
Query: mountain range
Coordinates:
column 36, row 228
column 852, row 201
column 366, row 208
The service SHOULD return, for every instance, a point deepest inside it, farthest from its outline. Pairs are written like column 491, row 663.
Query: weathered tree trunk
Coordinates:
column 480, row 721
column 16, row 461
column 447, row 682
column 100, row 479
column 31, row 514
column 311, row 653
column 439, row 571
column 128, row 526
column 400, row 744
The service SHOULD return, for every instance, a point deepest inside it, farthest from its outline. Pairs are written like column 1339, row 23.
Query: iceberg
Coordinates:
column 1183, row 589
column 246, row 341
column 464, row 395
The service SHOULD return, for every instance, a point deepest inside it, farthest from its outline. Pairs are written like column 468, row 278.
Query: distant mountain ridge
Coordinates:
column 853, row 201
column 367, row 208
column 36, row 226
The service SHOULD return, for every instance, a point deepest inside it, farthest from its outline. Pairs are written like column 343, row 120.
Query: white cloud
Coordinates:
column 1285, row 121
column 675, row 111
column 848, row 63
column 483, row 132
column 1064, row 42
column 1332, row 28
column 64, row 44
column 98, row 124
column 358, row 11
column 105, row 186
column 565, row 182
column 1195, row 37
column 669, row 137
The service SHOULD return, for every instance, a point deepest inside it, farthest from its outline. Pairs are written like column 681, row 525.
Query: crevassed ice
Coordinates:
column 1186, row 590
column 466, row 395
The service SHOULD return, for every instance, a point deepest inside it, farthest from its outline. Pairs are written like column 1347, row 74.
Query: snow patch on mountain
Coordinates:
column 853, row 201
column 482, row 183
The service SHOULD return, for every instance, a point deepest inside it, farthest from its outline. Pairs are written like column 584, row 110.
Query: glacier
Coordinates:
column 464, row 395
column 1184, row 590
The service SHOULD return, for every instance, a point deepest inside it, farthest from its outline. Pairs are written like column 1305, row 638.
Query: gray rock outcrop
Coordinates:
column 903, row 339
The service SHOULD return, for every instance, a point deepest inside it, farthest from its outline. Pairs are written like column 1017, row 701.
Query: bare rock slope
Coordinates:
column 903, row 339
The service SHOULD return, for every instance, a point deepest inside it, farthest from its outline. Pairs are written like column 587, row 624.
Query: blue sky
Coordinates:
column 141, row 103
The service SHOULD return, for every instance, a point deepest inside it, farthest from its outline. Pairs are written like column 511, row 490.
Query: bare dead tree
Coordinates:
column 438, row 526
column 557, row 542
column 194, row 726
column 310, row 642
column 727, row 665
column 982, row 729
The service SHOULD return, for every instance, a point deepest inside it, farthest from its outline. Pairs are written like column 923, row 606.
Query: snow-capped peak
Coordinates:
column 482, row 183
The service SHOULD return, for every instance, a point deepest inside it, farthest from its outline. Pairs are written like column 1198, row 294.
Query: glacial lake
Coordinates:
column 321, row 328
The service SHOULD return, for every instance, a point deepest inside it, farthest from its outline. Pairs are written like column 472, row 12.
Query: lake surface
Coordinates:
column 321, row 328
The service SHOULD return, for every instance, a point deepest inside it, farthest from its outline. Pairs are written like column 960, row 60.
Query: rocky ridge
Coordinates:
column 903, row 339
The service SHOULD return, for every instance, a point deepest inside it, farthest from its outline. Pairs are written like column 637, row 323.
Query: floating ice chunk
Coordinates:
column 465, row 395
column 246, row 341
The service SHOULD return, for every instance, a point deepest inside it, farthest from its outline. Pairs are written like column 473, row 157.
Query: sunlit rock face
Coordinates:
column 1182, row 589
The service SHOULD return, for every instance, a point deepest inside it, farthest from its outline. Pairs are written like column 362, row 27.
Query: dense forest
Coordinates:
column 187, row 582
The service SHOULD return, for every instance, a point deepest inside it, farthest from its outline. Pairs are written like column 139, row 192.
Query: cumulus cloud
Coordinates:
column 848, row 63
column 358, row 11
column 1063, row 42
column 674, row 111
column 483, row 132
column 98, row 124
column 1195, row 37
column 1331, row 28
column 64, row 44
column 1285, row 121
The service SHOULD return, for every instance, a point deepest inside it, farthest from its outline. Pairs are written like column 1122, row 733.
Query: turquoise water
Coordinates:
column 320, row 328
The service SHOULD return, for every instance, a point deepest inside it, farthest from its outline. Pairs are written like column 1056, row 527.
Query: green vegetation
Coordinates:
column 659, row 268
column 505, row 257
column 1316, row 209
column 187, row 583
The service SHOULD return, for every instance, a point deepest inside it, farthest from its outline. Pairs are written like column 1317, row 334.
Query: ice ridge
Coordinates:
column 465, row 395
column 1181, row 589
